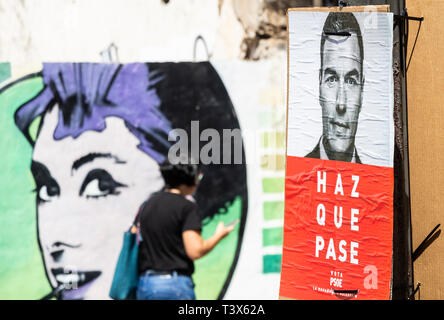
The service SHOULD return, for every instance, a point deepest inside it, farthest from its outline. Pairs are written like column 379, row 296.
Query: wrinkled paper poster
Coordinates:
column 338, row 227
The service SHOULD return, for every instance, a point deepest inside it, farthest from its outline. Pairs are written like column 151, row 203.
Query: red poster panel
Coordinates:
column 337, row 230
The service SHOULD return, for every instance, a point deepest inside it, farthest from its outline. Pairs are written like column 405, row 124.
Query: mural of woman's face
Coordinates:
column 89, row 190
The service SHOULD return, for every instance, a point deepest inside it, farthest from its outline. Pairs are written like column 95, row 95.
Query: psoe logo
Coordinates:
column 336, row 279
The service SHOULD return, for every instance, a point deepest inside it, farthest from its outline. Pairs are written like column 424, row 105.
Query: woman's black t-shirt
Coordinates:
column 163, row 219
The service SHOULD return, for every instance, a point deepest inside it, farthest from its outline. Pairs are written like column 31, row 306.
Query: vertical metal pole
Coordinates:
column 402, row 287
column 406, row 222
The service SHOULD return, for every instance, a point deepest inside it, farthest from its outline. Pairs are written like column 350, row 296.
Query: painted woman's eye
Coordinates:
column 43, row 194
column 99, row 183
column 92, row 189
column 46, row 192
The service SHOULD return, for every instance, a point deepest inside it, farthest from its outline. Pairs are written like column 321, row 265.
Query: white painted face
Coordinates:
column 90, row 189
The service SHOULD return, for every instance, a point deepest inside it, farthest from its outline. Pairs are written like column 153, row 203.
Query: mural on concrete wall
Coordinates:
column 257, row 90
column 84, row 143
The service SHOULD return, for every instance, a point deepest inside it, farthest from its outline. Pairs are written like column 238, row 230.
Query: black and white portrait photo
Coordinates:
column 340, row 99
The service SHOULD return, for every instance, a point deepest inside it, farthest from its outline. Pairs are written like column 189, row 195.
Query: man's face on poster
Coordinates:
column 340, row 92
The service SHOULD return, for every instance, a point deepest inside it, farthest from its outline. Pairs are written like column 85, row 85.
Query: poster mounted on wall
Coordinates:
column 338, row 225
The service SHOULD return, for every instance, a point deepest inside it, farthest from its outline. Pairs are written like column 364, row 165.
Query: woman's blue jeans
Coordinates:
column 165, row 287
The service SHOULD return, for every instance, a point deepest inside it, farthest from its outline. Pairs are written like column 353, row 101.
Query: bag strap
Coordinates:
column 136, row 219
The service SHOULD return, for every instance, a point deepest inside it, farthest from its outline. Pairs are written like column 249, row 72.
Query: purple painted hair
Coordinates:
column 87, row 93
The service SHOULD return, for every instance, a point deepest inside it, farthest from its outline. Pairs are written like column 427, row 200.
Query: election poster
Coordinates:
column 338, row 224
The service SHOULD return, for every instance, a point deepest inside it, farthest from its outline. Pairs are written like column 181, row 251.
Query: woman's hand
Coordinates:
column 222, row 231
column 196, row 247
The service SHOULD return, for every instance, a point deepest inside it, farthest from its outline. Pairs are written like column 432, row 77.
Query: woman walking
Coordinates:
column 170, row 229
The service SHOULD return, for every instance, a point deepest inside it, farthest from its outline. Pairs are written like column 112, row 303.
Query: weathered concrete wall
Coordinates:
column 265, row 24
column 79, row 30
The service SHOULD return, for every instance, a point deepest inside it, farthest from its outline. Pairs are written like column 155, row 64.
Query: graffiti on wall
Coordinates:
column 84, row 144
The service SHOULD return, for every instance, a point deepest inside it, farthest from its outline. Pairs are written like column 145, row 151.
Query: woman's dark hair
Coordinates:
column 178, row 174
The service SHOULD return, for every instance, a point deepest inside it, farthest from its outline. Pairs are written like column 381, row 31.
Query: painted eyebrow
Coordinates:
column 91, row 156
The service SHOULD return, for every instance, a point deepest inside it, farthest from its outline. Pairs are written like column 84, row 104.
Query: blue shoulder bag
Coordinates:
column 126, row 274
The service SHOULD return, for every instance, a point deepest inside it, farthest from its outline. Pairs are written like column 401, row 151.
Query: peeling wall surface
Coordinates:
column 40, row 35
column 265, row 24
